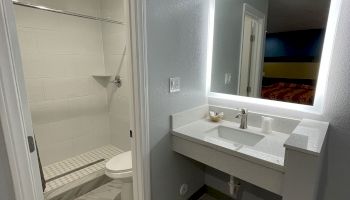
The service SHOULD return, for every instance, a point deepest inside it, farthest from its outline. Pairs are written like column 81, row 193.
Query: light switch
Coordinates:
column 174, row 84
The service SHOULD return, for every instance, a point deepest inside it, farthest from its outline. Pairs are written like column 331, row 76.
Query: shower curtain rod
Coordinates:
column 66, row 12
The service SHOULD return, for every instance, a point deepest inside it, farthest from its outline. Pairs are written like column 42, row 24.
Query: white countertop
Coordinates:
column 308, row 137
column 268, row 152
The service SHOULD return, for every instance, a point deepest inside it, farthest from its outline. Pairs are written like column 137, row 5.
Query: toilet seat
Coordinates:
column 120, row 166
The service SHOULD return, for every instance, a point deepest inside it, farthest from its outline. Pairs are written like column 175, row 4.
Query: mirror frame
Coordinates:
column 230, row 100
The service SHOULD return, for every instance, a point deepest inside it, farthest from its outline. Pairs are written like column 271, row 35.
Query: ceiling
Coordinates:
column 289, row 15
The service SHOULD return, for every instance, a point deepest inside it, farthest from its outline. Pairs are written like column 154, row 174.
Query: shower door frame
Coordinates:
column 15, row 116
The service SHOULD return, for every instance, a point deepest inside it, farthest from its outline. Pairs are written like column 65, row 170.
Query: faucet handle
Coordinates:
column 243, row 114
column 241, row 111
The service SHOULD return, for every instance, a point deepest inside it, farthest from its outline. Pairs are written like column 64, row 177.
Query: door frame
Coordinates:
column 141, row 155
column 15, row 114
column 14, row 111
column 258, row 49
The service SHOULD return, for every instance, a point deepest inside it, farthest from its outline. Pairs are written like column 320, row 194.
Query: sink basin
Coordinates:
column 239, row 136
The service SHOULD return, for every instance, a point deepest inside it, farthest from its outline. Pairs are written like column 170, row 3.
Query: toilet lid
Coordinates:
column 119, row 163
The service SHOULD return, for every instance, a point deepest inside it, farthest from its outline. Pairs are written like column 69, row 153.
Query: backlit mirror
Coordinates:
column 269, row 49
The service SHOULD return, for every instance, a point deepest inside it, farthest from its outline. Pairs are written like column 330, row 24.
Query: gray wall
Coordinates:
column 6, row 186
column 227, row 42
column 177, row 32
column 218, row 180
column 337, row 174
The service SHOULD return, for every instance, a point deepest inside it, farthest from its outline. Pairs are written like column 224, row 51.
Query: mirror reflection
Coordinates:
column 268, row 49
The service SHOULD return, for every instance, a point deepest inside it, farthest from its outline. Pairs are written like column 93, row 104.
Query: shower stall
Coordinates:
column 75, row 58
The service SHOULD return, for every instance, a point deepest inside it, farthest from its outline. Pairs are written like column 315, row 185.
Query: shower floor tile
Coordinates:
column 61, row 175
column 109, row 191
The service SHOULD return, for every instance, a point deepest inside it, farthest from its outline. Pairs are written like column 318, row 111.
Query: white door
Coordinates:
column 248, row 40
column 251, row 52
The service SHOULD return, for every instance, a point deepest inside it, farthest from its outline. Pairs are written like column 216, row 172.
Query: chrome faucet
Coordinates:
column 243, row 114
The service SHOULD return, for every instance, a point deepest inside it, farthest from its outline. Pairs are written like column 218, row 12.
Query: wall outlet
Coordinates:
column 183, row 189
column 174, row 84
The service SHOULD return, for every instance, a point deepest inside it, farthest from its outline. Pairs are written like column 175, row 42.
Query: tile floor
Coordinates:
column 109, row 191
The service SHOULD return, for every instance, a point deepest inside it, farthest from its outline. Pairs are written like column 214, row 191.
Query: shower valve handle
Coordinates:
column 117, row 81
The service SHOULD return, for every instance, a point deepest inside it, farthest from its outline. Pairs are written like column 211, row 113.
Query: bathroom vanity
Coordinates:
column 286, row 162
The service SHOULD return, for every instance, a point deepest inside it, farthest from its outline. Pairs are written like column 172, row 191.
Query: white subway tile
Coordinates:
column 27, row 39
column 88, row 7
column 115, row 63
column 101, row 125
column 35, row 90
column 33, row 65
column 113, row 9
column 114, row 38
column 89, row 105
column 120, row 127
column 79, row 87
column 55, row 42
column 86, row 64
column 89, row 142
column 79, row 25
column 82, row 125
column 57, row 64
column 52, row 152
column 50, row 111
column 53, row 132
column 57, row 88
column 33, row 18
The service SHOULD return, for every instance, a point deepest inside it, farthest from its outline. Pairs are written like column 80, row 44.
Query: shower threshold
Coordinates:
column 73, row 177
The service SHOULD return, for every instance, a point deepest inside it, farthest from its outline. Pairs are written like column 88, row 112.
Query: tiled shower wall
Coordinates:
column 116, row 61
column 70, row 108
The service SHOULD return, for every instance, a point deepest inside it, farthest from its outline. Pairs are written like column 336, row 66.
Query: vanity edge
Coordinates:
column 308, row 137
column 246, row 157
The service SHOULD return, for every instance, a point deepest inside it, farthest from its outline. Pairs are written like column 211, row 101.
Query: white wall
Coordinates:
column 72, row 111
column 227, row 42
column 336, row 174
column 176, row 34
column 115, row 58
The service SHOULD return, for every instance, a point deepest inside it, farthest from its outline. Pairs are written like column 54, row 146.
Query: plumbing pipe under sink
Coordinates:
column 234, row 186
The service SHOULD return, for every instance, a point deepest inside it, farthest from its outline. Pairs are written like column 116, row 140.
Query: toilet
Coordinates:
column 120, row 167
